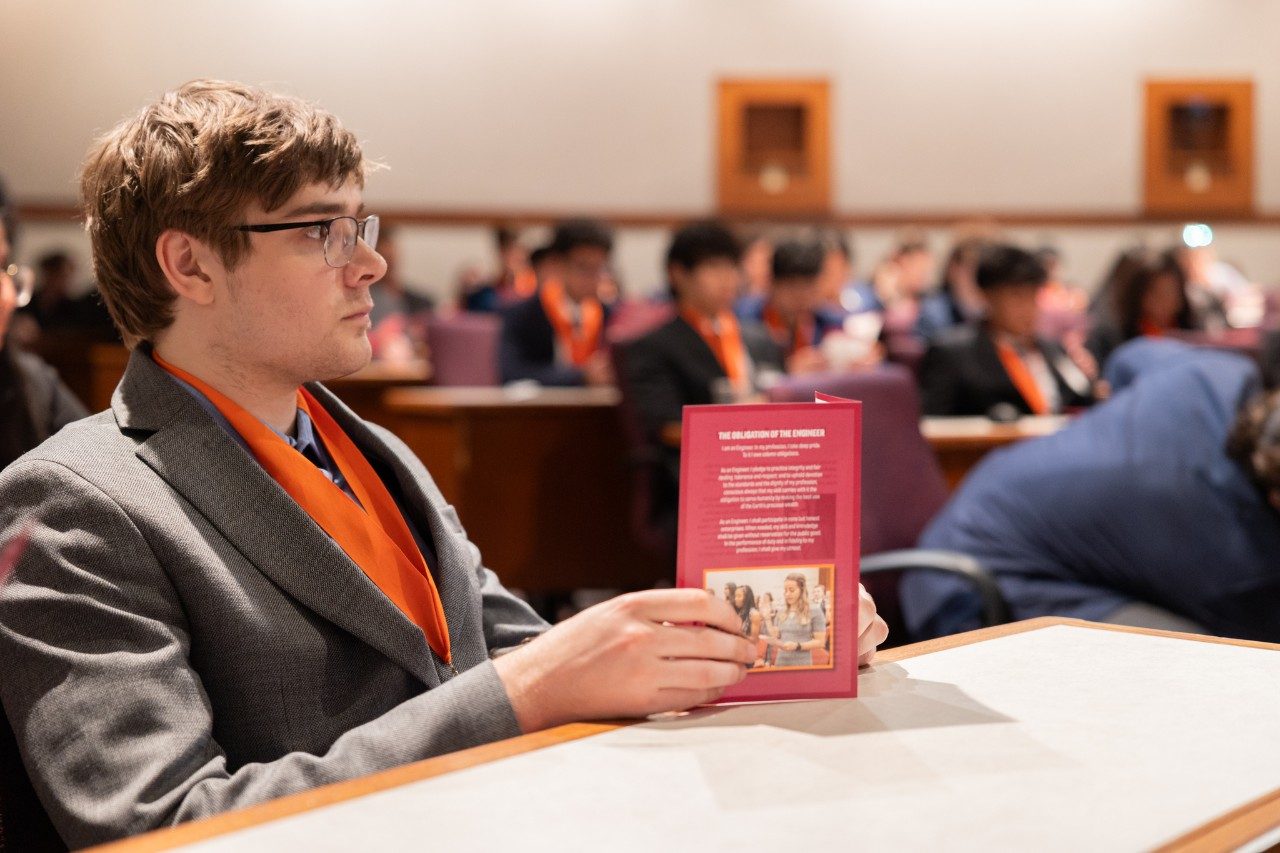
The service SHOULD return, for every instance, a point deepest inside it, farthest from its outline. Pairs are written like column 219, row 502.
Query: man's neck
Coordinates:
column 272, row 402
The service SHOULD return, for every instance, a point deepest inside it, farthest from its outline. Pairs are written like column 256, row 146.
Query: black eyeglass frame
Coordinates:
column 326, row 224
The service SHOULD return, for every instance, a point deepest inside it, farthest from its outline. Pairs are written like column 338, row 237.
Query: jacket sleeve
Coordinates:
column 113, row 722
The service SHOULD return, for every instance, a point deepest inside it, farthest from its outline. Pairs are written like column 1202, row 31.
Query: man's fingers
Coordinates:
column 683, row 605
column 700, row 675
column 692, row 641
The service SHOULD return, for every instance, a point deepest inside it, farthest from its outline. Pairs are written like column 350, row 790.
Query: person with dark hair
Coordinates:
column 54, row 310
column 1159, row 508
column 790, row 311
column 1000, row 367
column 35, row 402
column 513, row 281
column 744, row 603
column 958, row 300
column 556, row 336
column 701, row 355
column 1148, row 298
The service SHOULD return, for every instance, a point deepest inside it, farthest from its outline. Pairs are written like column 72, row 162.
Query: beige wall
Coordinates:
column 574, row 104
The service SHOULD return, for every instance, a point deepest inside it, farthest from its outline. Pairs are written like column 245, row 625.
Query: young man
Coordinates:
column 556, row 336
column 792, row 311
column 1159, row 509
column 235, row 588
column 1000, row 366
column 702, row 355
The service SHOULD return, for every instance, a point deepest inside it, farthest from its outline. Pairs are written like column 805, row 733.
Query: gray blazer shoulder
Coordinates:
column 181, row 639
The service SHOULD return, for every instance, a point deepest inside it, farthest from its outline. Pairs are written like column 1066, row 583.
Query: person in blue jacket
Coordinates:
column 1157, row 508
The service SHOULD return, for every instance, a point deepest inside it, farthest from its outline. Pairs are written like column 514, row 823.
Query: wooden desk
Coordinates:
column 896, row 710
column 540, row 479
column 960, row 443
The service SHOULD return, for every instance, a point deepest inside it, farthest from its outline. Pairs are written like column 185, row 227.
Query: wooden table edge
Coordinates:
column 1231, row 829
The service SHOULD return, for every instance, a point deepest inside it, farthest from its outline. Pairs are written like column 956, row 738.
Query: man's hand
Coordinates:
column 631, row 656
column 873, row 629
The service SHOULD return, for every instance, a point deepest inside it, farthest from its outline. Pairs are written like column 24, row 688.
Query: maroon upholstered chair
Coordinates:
column 902, row 487
column 464, row 349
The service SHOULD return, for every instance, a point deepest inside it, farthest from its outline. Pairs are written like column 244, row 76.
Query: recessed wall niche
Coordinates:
column 1199, row 147
column 774, row 146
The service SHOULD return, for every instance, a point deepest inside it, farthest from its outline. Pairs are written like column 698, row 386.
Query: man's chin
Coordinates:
column 354, row 355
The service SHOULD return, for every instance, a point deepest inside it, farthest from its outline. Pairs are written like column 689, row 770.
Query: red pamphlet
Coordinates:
column 770, row 519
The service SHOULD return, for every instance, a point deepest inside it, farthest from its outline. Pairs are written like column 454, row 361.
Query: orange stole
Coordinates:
column 587, row 341
column 1022, row 378
column 726, row 344
column 376, row 538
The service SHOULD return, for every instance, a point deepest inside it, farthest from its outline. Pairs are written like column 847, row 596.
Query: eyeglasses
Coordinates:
column 24, row 283
column 339, row 235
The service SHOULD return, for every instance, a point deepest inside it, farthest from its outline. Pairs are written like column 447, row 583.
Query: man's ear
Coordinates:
column 188, row 264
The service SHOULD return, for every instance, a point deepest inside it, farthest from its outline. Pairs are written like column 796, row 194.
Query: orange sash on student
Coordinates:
column 1022, row 378
column 579, row 347
column 726, row 344
column 1150, row 329
column 797, row 339
column 376, row 538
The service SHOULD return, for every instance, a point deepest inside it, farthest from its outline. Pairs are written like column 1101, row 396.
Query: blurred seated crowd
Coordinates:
column 1105, row 520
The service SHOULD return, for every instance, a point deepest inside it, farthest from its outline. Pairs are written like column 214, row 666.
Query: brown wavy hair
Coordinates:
column 195, row 160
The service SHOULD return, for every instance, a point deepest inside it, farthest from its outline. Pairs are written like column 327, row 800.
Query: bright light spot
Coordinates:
column 1197, row 235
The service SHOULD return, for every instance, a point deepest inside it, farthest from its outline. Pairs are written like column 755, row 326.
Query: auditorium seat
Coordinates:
column 464, row 349
column 902, row 486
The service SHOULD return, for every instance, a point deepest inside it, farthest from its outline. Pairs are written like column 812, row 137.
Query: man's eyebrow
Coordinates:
column 332, row 208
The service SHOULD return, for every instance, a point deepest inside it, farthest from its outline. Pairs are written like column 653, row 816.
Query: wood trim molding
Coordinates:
column 1230, row 830
column 62, row 211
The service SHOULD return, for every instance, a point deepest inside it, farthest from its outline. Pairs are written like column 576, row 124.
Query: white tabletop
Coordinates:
column 1061, row 738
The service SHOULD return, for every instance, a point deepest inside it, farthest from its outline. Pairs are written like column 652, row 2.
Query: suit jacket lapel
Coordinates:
column 991, row 365
column 211, row 471
column 452, row 550
column 702, row 359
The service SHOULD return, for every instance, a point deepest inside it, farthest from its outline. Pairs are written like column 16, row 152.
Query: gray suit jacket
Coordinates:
column 181, row 638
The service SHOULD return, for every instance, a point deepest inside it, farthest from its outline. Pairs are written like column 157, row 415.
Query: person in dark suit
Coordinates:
column 35, row 401
column 1000, row 362
column 702, row 355
column 556, row 336
column 791, row 310
column 1157, row 508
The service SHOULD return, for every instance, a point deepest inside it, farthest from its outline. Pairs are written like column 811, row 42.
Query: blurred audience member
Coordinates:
column 35, row 402
column 756, row 260
column 556, row 336
column 396, row 320
column 958, row 299
column 837, row 273
column 1149, row 298
column 702, row 355
column 1158, row 509
column 791, row 309
column 54, row 310
column 513, row 281
column 1058, row 294
column 902, row 281
column 1220, row 294
column 999, row 367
